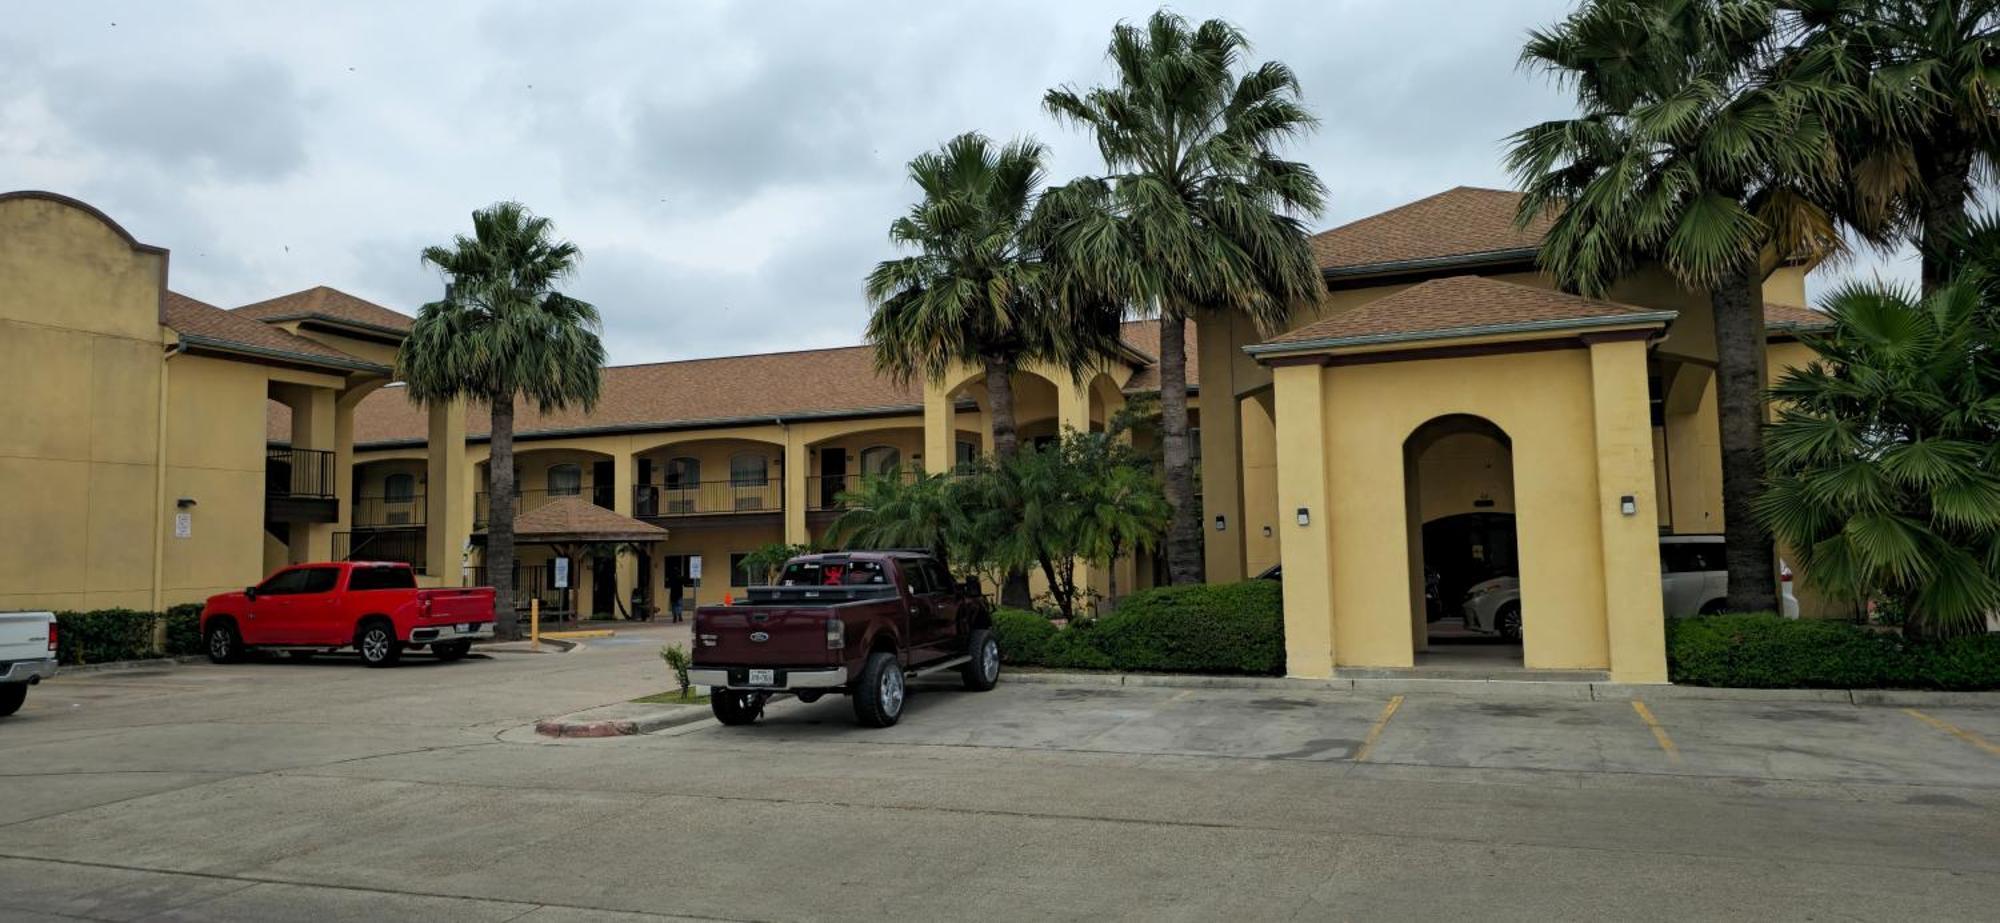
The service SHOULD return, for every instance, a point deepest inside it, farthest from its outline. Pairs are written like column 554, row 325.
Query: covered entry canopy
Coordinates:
column 1562, row 377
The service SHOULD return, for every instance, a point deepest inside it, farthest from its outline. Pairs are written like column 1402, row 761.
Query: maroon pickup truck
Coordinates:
column 858, row 623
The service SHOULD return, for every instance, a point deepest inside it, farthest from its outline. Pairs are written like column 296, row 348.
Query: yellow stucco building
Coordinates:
column 1443, row 410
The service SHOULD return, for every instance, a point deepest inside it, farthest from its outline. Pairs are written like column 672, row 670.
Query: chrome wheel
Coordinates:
column 989, row 660
column 220, row 644
column 892, row 692
column 375, row 645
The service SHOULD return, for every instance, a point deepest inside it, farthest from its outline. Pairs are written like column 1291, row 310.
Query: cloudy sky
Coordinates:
column 729, row 169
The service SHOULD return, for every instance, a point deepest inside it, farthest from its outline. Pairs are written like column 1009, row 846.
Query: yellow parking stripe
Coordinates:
column 1659, row 733
column 1375, row 732
column 1955, row 731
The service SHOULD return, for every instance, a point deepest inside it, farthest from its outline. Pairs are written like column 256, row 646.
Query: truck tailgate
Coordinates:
column 764, row 635
column 24, row 636
column 460, row 604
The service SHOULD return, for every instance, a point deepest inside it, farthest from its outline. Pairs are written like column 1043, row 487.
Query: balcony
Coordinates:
column 823, row 492
column 536, row 498
column 708, row 498
column 298, row 485
column 405, row 545
column 405, row 511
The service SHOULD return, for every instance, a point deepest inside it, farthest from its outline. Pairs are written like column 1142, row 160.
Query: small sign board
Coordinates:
column 561, row 580
column 694, row 567
column 183, row 525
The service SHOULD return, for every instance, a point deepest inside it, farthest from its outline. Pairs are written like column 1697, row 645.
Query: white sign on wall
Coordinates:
column 694, row 567
column 183, row 525
column 562, row 574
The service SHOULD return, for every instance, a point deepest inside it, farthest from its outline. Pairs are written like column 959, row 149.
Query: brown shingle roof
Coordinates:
column 328, row 303
column 1144, row 336
column 199, row 322
column 1786, row 318
column 1460, row 306
column 574, row 519
column 1458, row 222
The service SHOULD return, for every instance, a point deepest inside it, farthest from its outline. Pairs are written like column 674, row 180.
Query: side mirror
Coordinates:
column 972, row 587
column 249, row 592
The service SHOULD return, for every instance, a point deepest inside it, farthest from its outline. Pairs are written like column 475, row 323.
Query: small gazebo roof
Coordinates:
column 575, row 520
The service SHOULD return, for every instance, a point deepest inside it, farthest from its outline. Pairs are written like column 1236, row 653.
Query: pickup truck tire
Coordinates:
column 223, row 643
column 879, row 691
column 11, row 697
column 376, row 640
column 982, row 672
column 734, row 708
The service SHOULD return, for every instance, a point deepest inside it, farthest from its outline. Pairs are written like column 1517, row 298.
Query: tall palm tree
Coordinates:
column 977, row 290
column 501, row 332
column 1884, row 456
column 1683, row 152
column 1197, row 212
column 1926, row 77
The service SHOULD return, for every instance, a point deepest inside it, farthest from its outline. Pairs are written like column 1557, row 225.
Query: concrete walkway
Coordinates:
column 330, row 791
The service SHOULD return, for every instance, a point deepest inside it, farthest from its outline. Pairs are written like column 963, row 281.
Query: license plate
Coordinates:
column 763, row 677
column 467, row 627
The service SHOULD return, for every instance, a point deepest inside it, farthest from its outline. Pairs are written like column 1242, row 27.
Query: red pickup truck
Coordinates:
column 856, row 623
column 373, row 607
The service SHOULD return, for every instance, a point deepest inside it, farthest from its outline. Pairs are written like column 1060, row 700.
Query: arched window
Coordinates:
column 880, row 459
column 683, row 473
column 749, row 470
column 565, row 480
column 399, row 488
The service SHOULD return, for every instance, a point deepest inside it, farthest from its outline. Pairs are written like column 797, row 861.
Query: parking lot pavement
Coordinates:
column 324, row 792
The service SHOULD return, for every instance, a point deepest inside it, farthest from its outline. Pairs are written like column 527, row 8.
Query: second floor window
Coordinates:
column 565, row 480
column 749, row 470
column 879, row 460
column 399, row 488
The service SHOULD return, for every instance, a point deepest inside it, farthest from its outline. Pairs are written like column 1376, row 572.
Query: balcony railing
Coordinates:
column 535, row 498
column 708, row 498
column 383, row 512
column 823, row 490
column 406, row 545
column 531, row 581
column 290, row 472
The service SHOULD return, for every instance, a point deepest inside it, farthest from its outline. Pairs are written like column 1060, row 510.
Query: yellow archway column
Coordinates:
column 315, row 427
column 624, row 501
column 1221, row 484
column 939, row 428
column 447, row 494
column 798, row 466
column 1635, row 621
column 1299, row 405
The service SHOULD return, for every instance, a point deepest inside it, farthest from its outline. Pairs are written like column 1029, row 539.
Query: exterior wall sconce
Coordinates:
column 184, row 503
column 1267, row 531
column 1305, row 517
column 1629, row 505
column 1221, row 523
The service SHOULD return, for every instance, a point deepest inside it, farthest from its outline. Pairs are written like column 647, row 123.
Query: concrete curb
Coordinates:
column 560, row 646
column 68, row 669
column 1539, row 689
column 622, row 727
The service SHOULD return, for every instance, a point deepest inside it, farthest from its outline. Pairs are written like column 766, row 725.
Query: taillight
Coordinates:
column 424, row 602
column 836, row 633
column 52, row 636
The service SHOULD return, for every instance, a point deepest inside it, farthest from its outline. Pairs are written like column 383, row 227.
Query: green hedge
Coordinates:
column 105, row 635
column 1765, row 651
column 1225, row 628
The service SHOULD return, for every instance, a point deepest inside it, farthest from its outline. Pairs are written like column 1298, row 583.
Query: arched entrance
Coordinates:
column 1464, row 555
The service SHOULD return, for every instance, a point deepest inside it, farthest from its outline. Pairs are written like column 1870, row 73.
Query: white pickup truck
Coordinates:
column 27, row 655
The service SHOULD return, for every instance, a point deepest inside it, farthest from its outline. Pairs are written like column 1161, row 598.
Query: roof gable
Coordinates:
column 1458, row 306
column 326, row 303
column 200, row 323
column 1459, row 223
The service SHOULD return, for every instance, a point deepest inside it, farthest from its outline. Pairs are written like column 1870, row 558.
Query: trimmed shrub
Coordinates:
column 1078, row 647
column 104, row 635
column 1765, row 651
column 1215, row 628
column 1024, row 636
column 184, row 630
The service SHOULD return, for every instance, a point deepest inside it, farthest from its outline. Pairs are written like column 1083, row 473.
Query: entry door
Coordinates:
column 603, row 585
column 603, row 483
column 832, row 476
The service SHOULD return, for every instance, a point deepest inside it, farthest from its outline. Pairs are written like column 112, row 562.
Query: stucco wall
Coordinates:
column 215, row 456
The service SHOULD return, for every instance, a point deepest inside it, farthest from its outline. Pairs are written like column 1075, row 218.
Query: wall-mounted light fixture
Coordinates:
column 1267, row 531
column 1629, row 505
column 1221, row 523
column 1305, row 517
column 184, row 503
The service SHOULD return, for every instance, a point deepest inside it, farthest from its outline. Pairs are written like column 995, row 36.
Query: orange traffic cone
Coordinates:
column 727, row 601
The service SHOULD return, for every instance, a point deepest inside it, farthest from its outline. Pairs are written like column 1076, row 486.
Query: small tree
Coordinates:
column 678, row 661
column 1885, row 460
column 771, row 558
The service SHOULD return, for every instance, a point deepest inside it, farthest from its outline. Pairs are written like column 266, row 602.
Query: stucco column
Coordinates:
column 939, row 429
column 313, row 427
column 1221, row 450
column 1261, row 527
column 1299, row 401
column 1635, row 623
column 624, row 496
column 1072, row 402
column 797, row 468
column 447, row 494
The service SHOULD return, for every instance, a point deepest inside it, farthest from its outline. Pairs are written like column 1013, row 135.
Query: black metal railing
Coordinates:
column 531, row 581
column 290, row 472
column 823, row 491
column 405, row 545
column 404, row 511
column 708, row 498
column 535, row 498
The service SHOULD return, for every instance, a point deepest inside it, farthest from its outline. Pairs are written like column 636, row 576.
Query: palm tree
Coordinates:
column 1885, row 459
column 503, row 331
column 1926, row 77
column 1197, row 213
column 977, row 291
column 1682, row 152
